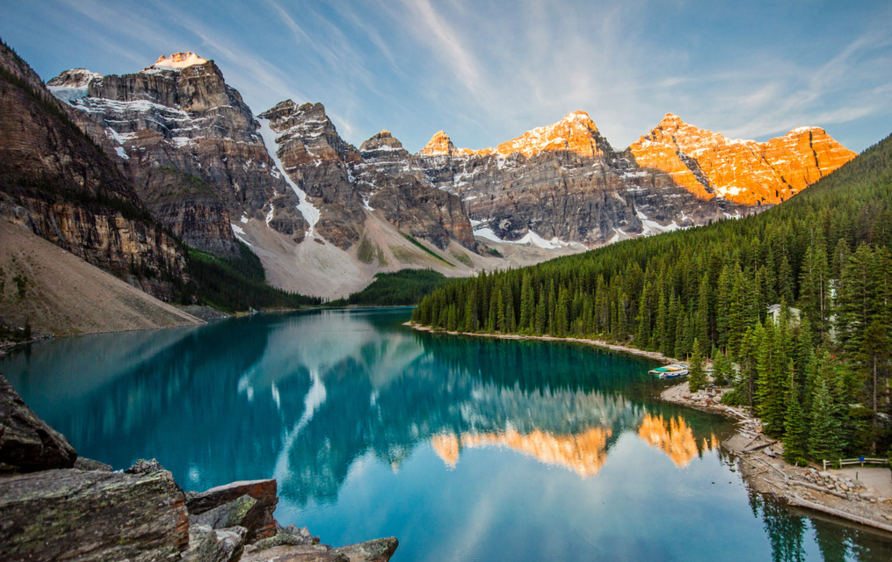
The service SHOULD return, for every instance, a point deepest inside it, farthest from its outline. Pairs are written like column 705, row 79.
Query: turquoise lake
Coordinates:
column 463, row 448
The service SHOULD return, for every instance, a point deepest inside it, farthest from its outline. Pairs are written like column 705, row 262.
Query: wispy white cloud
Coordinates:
column 443, row 40
column 486, row 72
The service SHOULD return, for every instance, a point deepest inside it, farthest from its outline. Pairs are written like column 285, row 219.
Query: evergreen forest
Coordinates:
column 816, row 369
column 403, row 287
column 236, row 284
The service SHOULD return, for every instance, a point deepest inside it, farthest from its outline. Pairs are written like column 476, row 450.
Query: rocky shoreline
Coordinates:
column 57, row 506
column 862, row 495
column 598, row 343
column 760, row 462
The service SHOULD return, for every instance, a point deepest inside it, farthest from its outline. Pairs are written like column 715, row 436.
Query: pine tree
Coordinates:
column 721, row 367
column 697, row 376
column 660, row 331
column 541, row 315
column 795, row 428
column 856, row 297
column 642, row 339
column 825, row 441
column 500, row 313
column 873, row 358
column 702, row 329
column 470, row 322
column 527, row 307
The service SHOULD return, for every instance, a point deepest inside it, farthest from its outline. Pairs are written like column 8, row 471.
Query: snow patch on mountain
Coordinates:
column 528, row 239
column 309, row 212
column 176, row 62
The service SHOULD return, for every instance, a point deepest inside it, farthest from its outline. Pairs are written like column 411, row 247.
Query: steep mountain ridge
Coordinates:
column 303, row 198
column 743, row 171
column 190, row 145
column 62, row 187
column 556, row 185
column 335, row 174
column 213, row 173
column 565, row 182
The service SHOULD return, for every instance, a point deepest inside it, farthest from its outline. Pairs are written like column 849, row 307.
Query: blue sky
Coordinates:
column 487, row 71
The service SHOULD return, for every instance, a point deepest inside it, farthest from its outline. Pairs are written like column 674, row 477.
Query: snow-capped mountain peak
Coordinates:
column 176, row 61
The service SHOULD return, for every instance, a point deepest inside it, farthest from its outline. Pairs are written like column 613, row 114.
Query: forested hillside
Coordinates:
column 820, row 378
column 403, row 287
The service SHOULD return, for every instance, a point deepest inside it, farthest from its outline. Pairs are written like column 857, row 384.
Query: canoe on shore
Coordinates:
column 669, row 371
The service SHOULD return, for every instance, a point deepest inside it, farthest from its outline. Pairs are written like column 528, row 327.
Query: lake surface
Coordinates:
column 464, row 448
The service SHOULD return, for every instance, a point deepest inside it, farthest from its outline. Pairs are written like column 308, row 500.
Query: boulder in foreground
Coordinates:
column 27, row 443
column 92, row 515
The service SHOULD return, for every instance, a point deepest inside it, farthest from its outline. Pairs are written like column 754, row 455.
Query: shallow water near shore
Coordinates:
column 464, row 448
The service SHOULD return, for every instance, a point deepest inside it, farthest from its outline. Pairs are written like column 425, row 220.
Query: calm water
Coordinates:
column 464, row 448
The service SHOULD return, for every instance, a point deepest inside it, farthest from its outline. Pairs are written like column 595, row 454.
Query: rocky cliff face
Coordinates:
column 209, row 171
column 744, row 172
column 64, row 188
column 190, row 145
column 558, row 184
column 564, row 182
column 345, row 184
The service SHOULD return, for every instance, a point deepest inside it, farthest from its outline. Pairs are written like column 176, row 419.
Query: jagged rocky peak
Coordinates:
column 318, row 138
column 439, row 145
column 670, row 122
column 381, row 141
column 74, row 78
column 190, row 145
column 745, row 172
column 576, row 132
column 385, row 153
column 72, row 84
column 176, row 62
column 307, row 117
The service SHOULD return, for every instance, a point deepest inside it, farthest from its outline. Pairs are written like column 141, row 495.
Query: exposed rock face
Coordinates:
column 315, row 158
column 378, row 550
column 246, row 504
column 55, row 181
column 745, row 172
column 27, row 443
column 345, row 183
column 563, row 181
column 95, row 516
column 190, row 145
column 386, row 152
column 212, row 545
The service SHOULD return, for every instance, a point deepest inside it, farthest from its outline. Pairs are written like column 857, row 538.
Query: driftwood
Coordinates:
column 749, row 449
column 768, row 464
column 817, row 488
column 799, row 502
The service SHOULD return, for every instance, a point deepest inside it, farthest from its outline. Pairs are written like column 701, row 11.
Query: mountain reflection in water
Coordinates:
column 372, row 430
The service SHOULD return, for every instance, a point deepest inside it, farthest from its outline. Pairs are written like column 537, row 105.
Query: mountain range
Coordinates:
column 188, row 160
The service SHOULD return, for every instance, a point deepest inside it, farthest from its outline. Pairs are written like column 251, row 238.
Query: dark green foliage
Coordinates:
column 795, row 428
column 99, row 200
column 366, row 252
column 463, row 258
column 721, row 368
column 697, row 377
column 49, row 104
column 404, row 287
column 237, row 285
column 826, row 252
column 426, row 249
column 826, row 440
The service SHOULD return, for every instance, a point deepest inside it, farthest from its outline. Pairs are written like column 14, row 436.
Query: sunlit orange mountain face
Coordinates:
column 583, row 453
